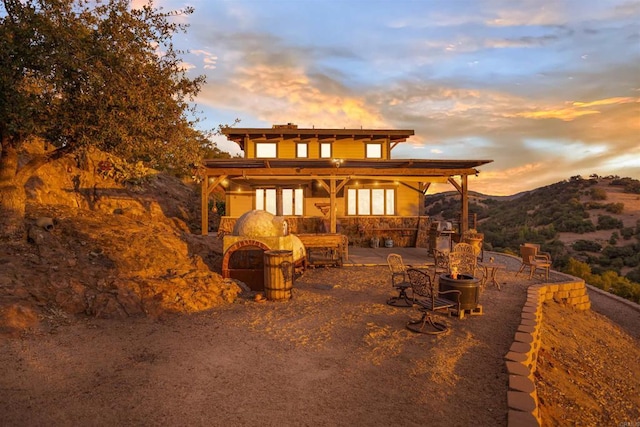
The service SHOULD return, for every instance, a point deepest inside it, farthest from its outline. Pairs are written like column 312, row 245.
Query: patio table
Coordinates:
column 490, row 273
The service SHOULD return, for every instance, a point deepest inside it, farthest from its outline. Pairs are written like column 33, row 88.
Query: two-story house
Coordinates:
column 331, row 180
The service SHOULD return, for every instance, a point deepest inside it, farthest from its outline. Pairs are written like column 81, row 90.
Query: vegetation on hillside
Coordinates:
column 540, row 215
column 77, row 74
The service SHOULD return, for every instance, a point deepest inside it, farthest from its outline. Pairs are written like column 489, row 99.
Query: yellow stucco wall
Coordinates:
column 406, row 201
column 340, row 149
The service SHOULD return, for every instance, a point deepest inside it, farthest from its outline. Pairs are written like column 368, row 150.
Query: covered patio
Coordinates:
column 333, row 175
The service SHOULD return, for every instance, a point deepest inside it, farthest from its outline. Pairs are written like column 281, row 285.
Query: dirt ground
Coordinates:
column 335, row 354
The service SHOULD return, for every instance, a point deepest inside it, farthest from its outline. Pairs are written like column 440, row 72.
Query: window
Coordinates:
column 371, row 201
column 325, row 150
column 292, row 200
column 373, row 151
column 266, row 150
column 266, row 199
column 302, row 150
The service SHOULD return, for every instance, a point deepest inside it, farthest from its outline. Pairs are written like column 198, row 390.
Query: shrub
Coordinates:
column 609, row 281
column 586, row 246
column 615, row 208
column 607, row 222
column 598, row 194
column 627, row 233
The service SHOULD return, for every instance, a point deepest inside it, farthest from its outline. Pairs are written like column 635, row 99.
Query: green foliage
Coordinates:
column 598, row 194
column 586, row 246
column 609, row 280
column 630, row 185
column 125, row 172
column 615, row 208
column 627, row 233
column 101, row 74
column 607, row 222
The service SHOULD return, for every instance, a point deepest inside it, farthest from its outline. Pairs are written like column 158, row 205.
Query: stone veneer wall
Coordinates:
column 520, row 361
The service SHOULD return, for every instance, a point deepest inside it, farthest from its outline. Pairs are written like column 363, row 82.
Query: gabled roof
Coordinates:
column 291, row 131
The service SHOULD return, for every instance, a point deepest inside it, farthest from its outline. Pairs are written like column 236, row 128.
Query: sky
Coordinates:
column 547, row 89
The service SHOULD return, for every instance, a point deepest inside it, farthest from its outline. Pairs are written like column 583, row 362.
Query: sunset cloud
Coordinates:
column 545, row 90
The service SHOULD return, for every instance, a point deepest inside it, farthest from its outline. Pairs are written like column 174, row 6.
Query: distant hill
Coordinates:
column 593, row 221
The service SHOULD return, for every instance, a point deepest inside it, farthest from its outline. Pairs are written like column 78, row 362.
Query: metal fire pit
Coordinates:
column 468, row 285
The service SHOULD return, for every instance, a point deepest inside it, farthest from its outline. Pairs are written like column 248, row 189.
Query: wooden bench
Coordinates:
column 325, row 248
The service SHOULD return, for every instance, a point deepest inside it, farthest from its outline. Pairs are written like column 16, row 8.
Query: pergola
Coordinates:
column 334, row 174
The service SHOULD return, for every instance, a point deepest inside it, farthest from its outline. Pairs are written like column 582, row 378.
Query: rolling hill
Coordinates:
column 589, row 225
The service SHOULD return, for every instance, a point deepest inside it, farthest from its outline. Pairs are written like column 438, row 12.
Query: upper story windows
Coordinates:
column 317, row 148
column 326, row 150
column 266, row 150
column 302, row 150
column 373, row 150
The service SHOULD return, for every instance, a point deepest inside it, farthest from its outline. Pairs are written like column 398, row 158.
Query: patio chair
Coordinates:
column 539, row 253
column 463, row 262
column 399, row 281
column 430, row 300
column 441, row 263
column 464, row 247
column 534, row 260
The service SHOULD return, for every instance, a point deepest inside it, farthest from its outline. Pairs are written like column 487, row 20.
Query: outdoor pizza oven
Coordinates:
column 254, row 233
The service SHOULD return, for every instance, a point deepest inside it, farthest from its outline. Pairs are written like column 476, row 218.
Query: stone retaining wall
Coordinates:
column 520, row 361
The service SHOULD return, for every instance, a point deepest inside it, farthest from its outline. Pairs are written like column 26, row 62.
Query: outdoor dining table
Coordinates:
column 490, row 272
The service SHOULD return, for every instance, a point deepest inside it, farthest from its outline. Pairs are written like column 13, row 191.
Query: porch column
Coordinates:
column 464, row 201
column 279, row 209
column 332, row 205
column 204, row 195
column 464, row 221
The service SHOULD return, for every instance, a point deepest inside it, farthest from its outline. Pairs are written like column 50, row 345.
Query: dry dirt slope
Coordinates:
column 114, row 250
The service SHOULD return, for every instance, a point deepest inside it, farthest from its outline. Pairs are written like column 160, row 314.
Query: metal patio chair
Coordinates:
column 430, row 300
column 399, row 281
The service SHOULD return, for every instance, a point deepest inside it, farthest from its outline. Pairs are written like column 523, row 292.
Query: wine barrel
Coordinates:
column 278, row 274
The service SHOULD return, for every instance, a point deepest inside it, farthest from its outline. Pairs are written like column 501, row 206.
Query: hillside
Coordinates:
column 589, row 225
column 113, row 249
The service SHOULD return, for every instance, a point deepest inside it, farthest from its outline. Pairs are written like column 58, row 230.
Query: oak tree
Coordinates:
column 75, row 74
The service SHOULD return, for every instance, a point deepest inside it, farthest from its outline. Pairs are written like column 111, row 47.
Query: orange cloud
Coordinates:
column 573, row 110
column 292, row 95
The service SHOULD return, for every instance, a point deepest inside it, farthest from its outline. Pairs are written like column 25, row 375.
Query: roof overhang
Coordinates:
column 240, row 135
column 411, row 169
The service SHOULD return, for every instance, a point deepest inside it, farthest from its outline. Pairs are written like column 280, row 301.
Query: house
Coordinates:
column 331, row 180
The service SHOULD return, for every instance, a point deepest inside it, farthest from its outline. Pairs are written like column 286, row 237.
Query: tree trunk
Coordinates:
column 12, row 195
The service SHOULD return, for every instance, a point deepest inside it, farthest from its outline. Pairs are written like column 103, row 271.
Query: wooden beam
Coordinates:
column 411, row 187
column 464, row 221
column 342, row 184
column 204, row 211
column 332, row 204
column 324, row 185
column 426, row 174
column 205, row 190
column 215, row 183
column 455, row 184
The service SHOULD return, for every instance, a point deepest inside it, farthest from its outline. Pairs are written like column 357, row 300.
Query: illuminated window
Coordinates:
column 371, row 201
column 266, row 150
column 266, row 199
column 302, row 150
column 373, row 151
column 325, row 150
column 292, row 200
